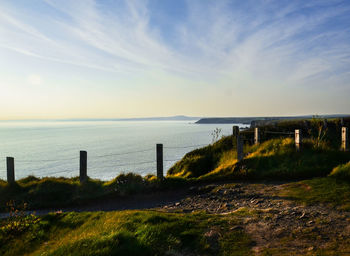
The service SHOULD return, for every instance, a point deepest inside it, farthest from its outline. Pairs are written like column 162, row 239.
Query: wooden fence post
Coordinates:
column 298, row 139
column 10, row 162
column 235, row 131
column 239, row 142
column 160, row 161
column 325, row 123
column 239, row 148
column 83, row 166
column 345, row 138
column 256, row 135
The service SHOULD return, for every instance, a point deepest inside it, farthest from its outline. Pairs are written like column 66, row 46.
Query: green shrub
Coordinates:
column 126, row 183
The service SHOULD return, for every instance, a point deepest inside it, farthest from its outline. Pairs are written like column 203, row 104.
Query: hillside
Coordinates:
column 276, row 201
column 274, row 158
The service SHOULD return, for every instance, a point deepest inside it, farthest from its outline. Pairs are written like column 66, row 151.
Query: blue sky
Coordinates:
column 103, row 59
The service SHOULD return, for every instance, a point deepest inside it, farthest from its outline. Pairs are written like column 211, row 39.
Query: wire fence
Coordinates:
column 125, row 153
column 281, row 133
column 47, row 160
column 43, row 170
column 251, row 136
column 192, row 146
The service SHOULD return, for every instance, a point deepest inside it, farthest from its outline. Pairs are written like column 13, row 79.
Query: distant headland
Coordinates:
column 255, row 120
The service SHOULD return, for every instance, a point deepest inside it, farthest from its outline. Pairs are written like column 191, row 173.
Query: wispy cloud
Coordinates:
column 230, row 48
column 293, row 41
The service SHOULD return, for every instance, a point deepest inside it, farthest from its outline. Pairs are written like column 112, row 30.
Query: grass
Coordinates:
column 342, row 172
column 58, row 192
column 326, row 190
column 201, row 161
column 275, row 158
column 126, row 233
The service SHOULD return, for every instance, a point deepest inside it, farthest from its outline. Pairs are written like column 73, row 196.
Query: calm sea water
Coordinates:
column 52, row 148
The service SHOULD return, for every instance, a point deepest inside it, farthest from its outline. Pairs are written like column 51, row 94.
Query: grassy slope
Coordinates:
column 126, row 233
column 275, row 158
column 201, row 161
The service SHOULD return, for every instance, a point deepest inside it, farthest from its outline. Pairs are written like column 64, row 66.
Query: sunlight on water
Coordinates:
column 48, row 148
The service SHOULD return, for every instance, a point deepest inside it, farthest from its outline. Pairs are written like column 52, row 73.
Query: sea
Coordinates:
column 52, row 148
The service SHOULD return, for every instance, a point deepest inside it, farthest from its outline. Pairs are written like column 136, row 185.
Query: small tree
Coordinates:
column 216, row 134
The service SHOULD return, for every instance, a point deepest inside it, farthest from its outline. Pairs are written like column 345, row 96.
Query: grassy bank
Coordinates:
column 125, row 233
column 58, row 192
column 274, row 158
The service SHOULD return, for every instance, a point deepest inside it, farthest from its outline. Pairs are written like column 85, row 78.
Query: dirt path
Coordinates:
column 277, row 225
column 133, row 202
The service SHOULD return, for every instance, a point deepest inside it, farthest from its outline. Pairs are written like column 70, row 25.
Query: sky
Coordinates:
column 119, row 59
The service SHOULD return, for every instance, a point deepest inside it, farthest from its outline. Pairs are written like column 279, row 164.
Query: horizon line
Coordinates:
column 170, row 117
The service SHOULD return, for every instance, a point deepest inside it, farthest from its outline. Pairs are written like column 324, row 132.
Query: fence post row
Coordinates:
column 298, row 139
column 239, row 142
column 345, row 138
column 256, row 135
column 160, row 161
column 10, row 163
column 83, row 166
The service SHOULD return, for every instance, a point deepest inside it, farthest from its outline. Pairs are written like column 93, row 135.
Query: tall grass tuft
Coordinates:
column 341, row 172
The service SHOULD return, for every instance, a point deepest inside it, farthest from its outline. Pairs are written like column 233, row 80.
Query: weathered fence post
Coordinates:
column 160, row 161
column 235, row 131
column 256, row 135
column 83, row 166
column 239, row 148
column 239, row 142
column 345, row 138
column 298, row 139
column 10, row 162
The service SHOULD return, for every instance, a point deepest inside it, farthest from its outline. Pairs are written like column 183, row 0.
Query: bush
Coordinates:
column 17, row 223
column 126, row 183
